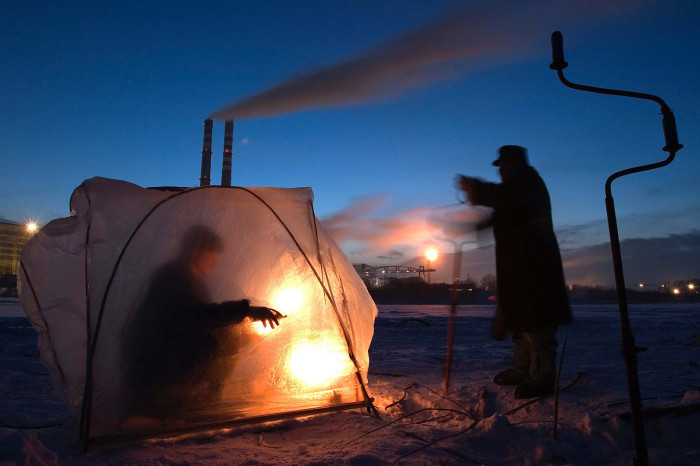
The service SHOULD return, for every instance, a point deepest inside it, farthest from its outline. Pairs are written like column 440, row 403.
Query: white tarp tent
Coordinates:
column 103, row 290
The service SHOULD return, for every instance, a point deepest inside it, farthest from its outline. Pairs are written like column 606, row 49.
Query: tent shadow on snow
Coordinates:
column 85, row 282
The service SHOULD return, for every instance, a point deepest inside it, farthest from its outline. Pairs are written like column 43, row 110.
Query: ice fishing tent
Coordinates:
column 86, row 283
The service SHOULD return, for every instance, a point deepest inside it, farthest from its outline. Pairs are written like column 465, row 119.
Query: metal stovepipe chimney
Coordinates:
column 228, row 152
column 205, row 178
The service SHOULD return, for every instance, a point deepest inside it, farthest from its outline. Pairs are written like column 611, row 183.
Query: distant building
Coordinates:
column 13, row 237
column 376, row 277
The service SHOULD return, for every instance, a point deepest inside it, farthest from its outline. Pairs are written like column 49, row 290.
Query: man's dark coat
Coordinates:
column 531, row 289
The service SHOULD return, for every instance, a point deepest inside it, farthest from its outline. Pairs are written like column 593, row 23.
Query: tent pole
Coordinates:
column 87, row 393
column 368, row 399
column 225, row 424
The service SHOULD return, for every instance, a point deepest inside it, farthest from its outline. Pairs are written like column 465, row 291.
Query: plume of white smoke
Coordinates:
column 463, row 224
column 358, row 224
column 488, row 33
column 409, row 229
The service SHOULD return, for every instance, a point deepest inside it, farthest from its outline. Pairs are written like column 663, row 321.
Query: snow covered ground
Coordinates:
column 477, row 422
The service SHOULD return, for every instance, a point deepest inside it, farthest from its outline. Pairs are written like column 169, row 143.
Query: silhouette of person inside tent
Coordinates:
column 172, row 355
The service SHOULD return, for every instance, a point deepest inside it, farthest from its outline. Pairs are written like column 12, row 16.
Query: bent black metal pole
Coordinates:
column 629, row 349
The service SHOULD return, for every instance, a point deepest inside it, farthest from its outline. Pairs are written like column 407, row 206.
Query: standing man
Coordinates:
column 532, row 295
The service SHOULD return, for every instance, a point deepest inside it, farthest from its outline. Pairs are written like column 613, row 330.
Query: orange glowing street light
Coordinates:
column 32, row 227
column 431, row 254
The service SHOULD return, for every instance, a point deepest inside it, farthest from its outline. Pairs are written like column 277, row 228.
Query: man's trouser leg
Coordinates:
column 543, row 352
column 521, row 354
column 542, row 349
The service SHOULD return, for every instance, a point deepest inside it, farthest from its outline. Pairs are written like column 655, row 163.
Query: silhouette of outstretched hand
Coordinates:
column 266, row 315
column 466, row 183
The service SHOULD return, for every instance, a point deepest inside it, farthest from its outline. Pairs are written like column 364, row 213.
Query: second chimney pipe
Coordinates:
column 205, row 178
column 228, row 152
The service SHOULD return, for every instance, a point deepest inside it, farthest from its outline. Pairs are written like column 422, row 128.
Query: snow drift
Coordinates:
column 87, row 286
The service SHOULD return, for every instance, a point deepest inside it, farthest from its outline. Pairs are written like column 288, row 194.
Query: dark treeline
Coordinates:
column 416, row 291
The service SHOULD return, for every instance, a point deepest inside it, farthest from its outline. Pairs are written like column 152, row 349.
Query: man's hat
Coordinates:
column 517, row 154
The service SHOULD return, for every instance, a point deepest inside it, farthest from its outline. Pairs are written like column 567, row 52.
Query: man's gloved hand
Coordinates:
column 468, row 185
column 266, row 315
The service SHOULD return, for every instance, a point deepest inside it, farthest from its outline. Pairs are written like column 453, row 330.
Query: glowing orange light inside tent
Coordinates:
column 318, row 364
column 287, row 301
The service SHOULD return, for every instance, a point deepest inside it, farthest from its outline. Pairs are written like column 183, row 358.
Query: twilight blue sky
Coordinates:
column 120, row 90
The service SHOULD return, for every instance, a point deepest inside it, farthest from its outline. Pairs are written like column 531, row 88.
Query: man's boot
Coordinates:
column 521, row 364
column 542, row 375
column 509, row 377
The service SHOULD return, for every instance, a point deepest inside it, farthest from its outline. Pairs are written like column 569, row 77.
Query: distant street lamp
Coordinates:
column 431, row 254
column 32, row 227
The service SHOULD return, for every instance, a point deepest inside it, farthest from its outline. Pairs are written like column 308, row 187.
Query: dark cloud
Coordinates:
column 656, row 223
column 571, row 236
column 486, row 34
column 645, row 260
column 392, row 255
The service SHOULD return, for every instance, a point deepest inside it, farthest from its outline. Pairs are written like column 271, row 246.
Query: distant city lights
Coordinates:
column 676, row 291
